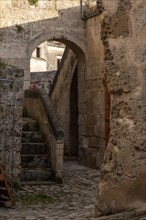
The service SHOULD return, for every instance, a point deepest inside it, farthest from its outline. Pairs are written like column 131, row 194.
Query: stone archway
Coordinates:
column 78, row 45
column 73, row 41
column 78, row 48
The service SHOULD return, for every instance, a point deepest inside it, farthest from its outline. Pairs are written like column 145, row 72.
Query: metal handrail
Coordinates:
column 83, row 17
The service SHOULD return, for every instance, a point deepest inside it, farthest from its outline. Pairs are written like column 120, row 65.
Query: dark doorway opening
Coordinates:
column 73, row 125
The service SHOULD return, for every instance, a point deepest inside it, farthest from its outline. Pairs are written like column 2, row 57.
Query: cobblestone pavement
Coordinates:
column 75, row 199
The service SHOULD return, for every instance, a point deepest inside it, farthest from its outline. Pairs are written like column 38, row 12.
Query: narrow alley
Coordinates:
column 73, row 109
column 75, row 199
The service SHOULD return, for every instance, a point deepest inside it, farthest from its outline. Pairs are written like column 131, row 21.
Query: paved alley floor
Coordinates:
column 75, row 199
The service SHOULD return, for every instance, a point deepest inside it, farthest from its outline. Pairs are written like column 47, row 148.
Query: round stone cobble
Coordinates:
column 74, row 199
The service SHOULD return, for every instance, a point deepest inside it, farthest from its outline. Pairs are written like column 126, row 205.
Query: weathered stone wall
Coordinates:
column 138, row 214
column 123, row 172
column 91, row 100
column 42, row 80
column 60, row 94
column 39, row 107
column 11, row 81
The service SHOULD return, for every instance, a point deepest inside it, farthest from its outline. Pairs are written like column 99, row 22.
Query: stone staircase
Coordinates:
column 34, row 157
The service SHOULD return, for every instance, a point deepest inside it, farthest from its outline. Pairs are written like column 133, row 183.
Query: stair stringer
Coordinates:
column 39, row 107
column 60, row 94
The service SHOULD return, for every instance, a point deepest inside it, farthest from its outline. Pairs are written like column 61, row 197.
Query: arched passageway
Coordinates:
column 64, row 91
column 77, row 46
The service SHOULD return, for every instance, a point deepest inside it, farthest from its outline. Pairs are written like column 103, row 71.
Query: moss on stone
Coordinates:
column 20, row 29
column 2, row 64
column 32, row 199
column 33, row 2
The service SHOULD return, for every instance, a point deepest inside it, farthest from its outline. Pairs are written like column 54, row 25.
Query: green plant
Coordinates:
column 16, row 185
column 19, row 28
column 2, row 64
column 33, row 2
column 32, row 199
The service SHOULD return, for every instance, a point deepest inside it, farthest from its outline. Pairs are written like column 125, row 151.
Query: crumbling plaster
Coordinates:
column 123, row 172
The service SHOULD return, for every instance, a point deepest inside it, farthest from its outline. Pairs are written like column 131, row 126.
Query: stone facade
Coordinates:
column 42, row 80
column 11, row 94
column 47, row 56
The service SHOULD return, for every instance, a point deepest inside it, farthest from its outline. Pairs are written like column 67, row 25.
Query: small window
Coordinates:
column 38, row 52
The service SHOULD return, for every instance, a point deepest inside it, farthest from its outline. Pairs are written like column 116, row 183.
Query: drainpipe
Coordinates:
column 88, row 16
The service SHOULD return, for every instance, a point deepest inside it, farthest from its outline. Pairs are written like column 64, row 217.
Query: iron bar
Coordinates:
column 83, row 17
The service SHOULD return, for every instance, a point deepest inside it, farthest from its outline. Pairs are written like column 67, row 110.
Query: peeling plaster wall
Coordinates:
column 123, row 172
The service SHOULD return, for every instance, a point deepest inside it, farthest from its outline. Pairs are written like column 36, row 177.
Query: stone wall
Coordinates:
column 42, row 80
column 60, row 93
column 138, row 214
column 91, row 100
column 123, row 179
column 21, row 34
column 39, row 107
column 11, row 81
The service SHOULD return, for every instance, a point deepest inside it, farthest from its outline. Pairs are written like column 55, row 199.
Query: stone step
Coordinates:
column 34, row 161
column 36, row 175
column 31, row 136
column 71, row 158
column 29, row 124
column 37, row 183
column 33, row 148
